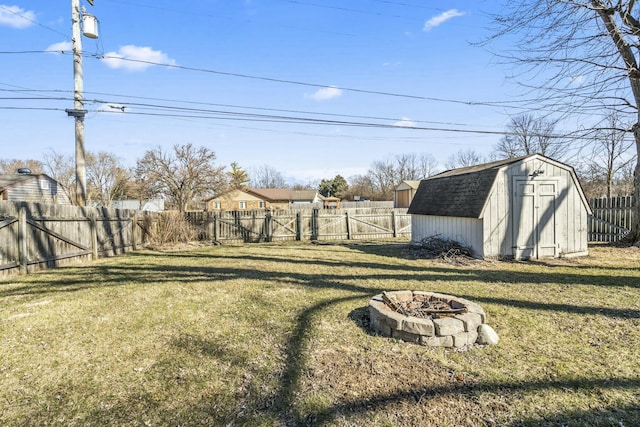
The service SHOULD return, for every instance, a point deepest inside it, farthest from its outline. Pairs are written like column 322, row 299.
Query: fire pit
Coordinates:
column 430, row 319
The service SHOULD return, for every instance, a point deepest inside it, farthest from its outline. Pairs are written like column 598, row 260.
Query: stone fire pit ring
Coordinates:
column 464, row 325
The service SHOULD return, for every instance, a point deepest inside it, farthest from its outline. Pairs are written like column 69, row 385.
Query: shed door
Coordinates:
column 534, row 218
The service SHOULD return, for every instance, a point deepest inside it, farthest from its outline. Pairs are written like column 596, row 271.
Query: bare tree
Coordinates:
column 611, row 154
column 583, row 56
column 414, row 167
column 183, row 174
column 267, row 176
column 63, row 169
column 11, row 166
column 107, row 177
column 464, row 158
column 527, row 134
column 384, row 177
column 360, row 186
column 428, row 166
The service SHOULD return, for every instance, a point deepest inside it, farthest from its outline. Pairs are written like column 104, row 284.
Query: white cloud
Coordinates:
column 136, row 58
column 405, row 122
column 326, row 93
column 16, row 17
column 60, row 47
column 440, row 19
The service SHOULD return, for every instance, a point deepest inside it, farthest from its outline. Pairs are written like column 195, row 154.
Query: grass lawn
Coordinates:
column 277, row 335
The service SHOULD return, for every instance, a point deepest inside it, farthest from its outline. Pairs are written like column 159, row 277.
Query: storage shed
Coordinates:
column 404, row 193
column 27, row 187
column 525, row 207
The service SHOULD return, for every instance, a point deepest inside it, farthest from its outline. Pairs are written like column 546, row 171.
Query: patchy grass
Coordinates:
column 276, row 334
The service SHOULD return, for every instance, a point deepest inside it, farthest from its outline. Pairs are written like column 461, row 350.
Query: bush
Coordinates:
column 168, row 227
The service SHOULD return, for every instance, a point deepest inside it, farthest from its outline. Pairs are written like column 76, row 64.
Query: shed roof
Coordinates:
column 408, row 185
column 458, row 192
column 11, row 179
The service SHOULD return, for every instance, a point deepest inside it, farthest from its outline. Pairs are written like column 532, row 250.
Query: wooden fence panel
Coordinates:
column 36, row 236
column 611, row 219
column 301, row 224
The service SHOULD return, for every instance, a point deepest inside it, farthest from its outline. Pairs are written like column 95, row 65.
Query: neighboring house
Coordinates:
column 263, row 198
column 526, row 207
column 28, row 187
column 404, row 193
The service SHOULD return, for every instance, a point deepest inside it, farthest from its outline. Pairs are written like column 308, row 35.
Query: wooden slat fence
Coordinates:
column 612, row 218
column 302, row 224
column 37, row 236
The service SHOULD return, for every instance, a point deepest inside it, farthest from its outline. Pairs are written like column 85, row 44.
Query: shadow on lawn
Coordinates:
column 483, row 273
column 612, row 416
column 282, row 406
column 296, row 364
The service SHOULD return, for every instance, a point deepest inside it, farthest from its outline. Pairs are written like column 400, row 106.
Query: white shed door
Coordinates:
column 534, row 218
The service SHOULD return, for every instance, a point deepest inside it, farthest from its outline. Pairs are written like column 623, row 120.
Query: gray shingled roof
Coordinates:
column 457, row 192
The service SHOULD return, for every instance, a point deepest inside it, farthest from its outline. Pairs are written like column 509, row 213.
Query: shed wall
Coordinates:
column 467, row 231
column 570, row 214
column 40, row 190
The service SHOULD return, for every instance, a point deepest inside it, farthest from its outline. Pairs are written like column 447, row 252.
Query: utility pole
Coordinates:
column 78, row 111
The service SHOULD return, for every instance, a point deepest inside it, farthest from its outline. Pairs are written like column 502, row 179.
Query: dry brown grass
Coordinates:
column 277, row 334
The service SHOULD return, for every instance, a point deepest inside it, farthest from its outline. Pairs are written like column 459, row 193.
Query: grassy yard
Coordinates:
column 277, row 335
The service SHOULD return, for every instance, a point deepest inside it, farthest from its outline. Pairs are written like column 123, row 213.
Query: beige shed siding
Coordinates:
column 467, row 231
column 570, row 210
column 495, row 220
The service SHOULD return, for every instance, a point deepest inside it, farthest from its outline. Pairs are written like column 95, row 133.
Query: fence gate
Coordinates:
column 35, row 236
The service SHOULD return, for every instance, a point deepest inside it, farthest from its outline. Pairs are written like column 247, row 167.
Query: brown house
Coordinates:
column 28, row 187
column 262, row 198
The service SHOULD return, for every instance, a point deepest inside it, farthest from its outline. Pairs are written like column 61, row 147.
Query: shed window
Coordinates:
column 262, row 205
column 243, row 205
column 216, row 205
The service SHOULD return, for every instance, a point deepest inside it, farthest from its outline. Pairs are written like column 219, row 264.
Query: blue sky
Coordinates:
column 237, row 76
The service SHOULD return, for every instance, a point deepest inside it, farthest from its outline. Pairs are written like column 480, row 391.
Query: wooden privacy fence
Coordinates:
column 309, row 224
column 36, row 236
column 611, row 219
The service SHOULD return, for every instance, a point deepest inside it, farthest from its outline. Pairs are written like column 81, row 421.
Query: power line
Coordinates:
column 197, row 113
column 307, row 84
column 492, row 104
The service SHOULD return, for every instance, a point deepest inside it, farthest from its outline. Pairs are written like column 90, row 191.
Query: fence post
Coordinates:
column 346, row 217
column 298, row 226
column 393, row 223
column 268, row 225
column 215, row 226
column 314, row 223
column 134, row 231
column 23, row 252
column 93, row 226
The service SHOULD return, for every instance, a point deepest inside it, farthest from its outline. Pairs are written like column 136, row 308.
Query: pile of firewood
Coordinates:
column 423, row 308
column 434, row 247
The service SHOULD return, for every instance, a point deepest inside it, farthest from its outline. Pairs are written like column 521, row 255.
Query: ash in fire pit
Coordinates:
column 430, row 318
